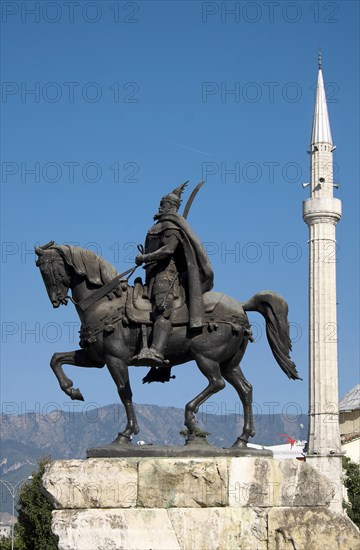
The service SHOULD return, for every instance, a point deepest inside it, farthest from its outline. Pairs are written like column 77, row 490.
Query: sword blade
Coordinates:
column 191, row 199
column 103, row 290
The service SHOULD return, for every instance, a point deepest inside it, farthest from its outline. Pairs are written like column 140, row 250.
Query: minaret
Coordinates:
column 321, row 212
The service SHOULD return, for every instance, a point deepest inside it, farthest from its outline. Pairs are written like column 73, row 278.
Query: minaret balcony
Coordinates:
column 322, row 210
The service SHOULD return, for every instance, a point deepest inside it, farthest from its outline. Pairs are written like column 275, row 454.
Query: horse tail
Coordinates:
column 274, row 309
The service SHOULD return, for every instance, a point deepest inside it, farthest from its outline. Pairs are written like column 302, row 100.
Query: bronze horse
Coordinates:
column 110, row 338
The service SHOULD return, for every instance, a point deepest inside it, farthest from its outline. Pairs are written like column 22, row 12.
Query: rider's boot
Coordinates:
column 154, row 356
column 161, row 334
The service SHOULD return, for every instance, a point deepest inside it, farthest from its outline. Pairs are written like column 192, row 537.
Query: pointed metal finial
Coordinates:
column 320, row 59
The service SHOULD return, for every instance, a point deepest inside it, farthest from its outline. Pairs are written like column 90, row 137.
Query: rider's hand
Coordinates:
column 139, row 259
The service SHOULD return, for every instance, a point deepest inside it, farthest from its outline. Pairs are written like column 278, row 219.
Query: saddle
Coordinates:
column 138, row 307
column 218, row 308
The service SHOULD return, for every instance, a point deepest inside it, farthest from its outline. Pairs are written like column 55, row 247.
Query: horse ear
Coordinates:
column 40, row 249
column 48, row 245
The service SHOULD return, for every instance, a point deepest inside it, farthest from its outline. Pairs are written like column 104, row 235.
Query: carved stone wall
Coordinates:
column 213, row 503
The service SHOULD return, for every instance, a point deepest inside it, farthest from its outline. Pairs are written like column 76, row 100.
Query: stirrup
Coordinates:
column 148, row 358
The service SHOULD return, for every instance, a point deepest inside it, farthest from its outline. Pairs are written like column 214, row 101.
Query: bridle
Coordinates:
column 56, row 277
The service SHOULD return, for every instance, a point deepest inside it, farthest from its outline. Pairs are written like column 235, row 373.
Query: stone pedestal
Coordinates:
column 330, row 466
column 225, row 503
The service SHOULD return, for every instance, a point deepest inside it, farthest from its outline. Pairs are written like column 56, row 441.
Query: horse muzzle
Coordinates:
column 57, row 302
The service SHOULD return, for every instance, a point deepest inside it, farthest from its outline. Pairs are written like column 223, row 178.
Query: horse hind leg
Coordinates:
column 211, row 370
column 233, row 374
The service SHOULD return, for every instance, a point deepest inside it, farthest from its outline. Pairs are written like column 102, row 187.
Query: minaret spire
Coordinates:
column 321, row 132
column 321, row 212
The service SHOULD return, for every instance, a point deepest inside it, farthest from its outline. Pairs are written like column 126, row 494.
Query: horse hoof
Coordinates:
column 240, row 443
column 122, row 439
column 76, row 394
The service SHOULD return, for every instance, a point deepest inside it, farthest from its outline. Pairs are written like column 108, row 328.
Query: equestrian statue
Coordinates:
column 172, row 319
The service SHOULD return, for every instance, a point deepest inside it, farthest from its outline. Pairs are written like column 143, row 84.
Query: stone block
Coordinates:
column 94, row 483
column 220, row 528
column 131, row 529
column 311, row 529
column 263, row 482
column 171, row 482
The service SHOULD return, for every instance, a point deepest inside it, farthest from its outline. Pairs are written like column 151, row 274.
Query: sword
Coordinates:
column 103, row 290
column 191, row 199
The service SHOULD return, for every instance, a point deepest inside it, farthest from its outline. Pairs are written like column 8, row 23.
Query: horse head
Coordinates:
column 63, row 266
column 55, row 272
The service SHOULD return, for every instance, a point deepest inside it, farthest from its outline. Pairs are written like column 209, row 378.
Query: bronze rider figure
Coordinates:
column 174, row 258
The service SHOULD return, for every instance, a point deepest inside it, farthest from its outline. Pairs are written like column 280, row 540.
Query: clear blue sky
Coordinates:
column 129, row 100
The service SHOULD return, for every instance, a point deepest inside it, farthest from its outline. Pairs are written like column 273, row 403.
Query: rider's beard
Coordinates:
column 157, row 215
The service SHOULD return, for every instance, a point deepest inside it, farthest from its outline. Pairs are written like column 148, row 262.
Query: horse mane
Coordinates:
column 85, row 262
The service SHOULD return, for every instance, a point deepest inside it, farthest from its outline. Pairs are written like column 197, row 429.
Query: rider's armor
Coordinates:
column 162, row 277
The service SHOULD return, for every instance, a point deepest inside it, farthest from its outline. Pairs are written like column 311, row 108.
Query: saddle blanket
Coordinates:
column 218, row 306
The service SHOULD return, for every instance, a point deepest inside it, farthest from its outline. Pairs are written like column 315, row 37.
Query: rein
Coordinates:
column 71, row 300
column 103, row 290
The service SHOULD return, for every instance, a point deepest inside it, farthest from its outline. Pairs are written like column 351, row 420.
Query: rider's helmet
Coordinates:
column 174, row 198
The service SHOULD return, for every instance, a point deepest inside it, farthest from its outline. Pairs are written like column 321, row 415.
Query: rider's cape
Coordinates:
column 200, row 277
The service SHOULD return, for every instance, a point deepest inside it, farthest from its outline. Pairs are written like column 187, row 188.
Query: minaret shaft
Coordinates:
column 321, row 212
column 321, row 168
column 324, row 435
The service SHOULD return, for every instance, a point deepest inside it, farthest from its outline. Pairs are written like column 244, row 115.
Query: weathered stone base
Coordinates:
column 330, row 466
column 213, row 503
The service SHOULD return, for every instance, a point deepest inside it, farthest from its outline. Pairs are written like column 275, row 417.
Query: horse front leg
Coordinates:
column 120, row 374
column 78, row 358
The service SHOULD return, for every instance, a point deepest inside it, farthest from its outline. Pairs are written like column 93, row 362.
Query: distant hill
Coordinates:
column 61, row 434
